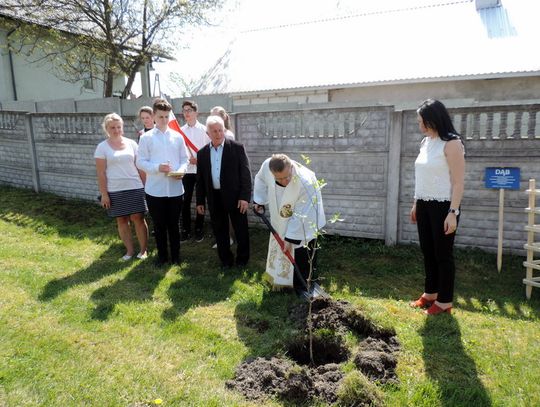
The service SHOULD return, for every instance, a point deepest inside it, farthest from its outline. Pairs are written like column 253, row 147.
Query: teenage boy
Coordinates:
column 196, row 133
column 163, row 151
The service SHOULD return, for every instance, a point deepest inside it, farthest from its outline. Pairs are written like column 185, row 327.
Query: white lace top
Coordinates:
column 431, row 172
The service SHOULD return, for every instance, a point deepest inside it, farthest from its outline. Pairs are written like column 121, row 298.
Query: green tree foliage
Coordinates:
column 99, row 39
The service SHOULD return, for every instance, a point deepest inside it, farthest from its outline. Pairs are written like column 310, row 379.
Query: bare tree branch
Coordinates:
column 101, row 37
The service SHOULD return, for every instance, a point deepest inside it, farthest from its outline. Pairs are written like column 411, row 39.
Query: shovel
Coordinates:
column 315, row 291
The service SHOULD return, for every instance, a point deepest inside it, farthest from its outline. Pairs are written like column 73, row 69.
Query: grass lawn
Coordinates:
column 80, row 327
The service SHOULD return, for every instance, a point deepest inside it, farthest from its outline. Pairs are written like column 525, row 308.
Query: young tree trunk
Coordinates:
column 108, row 86
column 129, row 84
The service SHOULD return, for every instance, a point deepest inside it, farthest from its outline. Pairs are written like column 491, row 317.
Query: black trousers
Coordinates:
column 219, row 216
column 165, row 213
column 437, row 248
column 302, row 257
column 189, row 181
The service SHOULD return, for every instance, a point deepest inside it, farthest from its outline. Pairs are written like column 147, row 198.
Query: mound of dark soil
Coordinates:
column 376, row 359
column 298, row 380
column 339, row 316
column 326, row 380
column 261, row 378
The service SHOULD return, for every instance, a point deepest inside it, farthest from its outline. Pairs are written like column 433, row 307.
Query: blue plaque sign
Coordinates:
column 502, row 177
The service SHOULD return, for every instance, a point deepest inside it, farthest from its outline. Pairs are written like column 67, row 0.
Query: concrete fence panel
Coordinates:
column 495, row 136
column 364, row 154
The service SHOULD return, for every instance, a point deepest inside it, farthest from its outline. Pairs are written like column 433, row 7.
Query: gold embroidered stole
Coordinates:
column 279, row 269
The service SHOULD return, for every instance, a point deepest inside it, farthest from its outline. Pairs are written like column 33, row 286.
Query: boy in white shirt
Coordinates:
column 161, row 151
column 196, row 133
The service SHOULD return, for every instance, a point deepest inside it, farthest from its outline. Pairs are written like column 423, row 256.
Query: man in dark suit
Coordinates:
column 224, row 181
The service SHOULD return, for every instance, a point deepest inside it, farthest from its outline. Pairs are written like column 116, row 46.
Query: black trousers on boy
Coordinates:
column 189, row 181
column 165, row 213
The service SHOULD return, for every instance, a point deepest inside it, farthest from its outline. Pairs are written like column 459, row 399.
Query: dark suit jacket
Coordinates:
column 235, row 176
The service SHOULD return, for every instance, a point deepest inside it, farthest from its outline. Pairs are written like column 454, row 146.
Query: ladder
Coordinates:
column 531, row 265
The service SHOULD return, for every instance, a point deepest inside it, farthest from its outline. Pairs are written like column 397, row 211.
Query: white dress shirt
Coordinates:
column 155, row 148
column 197, row 135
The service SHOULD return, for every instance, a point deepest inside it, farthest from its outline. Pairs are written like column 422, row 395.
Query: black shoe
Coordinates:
column 176, row 262
column 199, row 237
column 241, row 264
column 184, row 237
column 160, row 262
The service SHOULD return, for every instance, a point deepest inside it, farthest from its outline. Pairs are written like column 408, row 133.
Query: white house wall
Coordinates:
column 403, row 96
column 475, row 91
column 36, row 81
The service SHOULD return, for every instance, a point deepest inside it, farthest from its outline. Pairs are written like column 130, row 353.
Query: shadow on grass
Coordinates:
column 137, row 286
column 201, row 285
column 447, row 363
column 264, row 326
column 371, row 269
column 107, row 264
column 203, row 282
column 49, row 214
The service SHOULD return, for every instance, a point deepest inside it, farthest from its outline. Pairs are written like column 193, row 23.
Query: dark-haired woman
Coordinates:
column 439, row 179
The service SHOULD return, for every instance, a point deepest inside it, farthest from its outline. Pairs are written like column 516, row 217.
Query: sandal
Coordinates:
column 435, row 310
column 421, row 302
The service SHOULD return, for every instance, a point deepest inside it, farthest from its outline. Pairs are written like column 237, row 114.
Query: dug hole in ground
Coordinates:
column 295, row 379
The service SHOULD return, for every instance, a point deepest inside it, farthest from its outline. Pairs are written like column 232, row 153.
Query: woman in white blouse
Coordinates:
column 121, row 184
column 439, row 180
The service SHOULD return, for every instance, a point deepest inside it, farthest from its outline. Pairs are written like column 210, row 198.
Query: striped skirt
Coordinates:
column 127, row 202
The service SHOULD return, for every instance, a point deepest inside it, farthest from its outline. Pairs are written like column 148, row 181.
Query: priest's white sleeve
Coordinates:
column 260, row 189
column 308, row 213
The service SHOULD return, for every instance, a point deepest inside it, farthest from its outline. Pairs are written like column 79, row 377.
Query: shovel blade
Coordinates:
column 315, row 292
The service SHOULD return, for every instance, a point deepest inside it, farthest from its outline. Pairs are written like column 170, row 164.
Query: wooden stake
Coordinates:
column 501, row 224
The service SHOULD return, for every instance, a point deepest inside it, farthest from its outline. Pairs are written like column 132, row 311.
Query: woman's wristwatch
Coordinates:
column 455, row 211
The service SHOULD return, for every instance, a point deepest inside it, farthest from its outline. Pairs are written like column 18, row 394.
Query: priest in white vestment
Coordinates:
column 292, row 194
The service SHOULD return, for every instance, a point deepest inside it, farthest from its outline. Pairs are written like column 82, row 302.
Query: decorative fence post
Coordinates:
column 531, row 246
column 29, row 126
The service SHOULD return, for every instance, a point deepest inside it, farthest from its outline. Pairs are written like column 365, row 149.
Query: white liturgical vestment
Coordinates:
column 296, row 212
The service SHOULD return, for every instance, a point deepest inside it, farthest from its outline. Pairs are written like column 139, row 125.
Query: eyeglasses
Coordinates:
column 187, row 110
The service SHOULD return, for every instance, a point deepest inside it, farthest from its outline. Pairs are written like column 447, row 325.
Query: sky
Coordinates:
column 203, row 45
